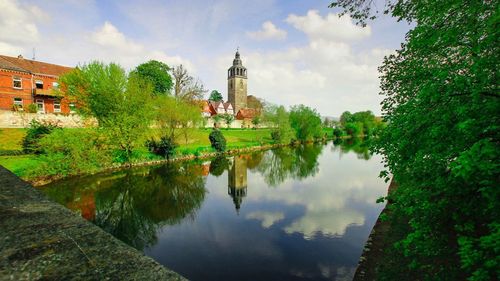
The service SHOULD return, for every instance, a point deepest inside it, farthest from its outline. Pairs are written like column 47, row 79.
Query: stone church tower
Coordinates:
column 237, row 84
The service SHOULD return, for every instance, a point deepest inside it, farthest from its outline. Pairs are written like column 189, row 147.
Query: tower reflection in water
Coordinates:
column 237, row 181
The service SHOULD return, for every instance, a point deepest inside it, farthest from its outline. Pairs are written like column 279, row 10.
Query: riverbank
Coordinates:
column 42, row 240
column 197, row 146
column 376, row 245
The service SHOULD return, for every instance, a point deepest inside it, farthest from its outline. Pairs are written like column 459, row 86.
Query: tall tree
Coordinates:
column 306, row 122
column 122, row 105
column 215, row 96
column 186, row 87
column 442, row 140
column 157, row 73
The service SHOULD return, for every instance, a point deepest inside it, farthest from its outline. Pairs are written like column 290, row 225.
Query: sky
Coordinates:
column 296, row 51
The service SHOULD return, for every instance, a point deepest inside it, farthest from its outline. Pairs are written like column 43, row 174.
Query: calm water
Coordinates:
column 284, row 214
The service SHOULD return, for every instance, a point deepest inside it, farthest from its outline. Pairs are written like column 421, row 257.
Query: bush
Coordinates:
column 164, row 147
column 337, row 132
column 73, row 151
column 36, row 131
column 276, row 135
column 217, row 140
column 32, row 108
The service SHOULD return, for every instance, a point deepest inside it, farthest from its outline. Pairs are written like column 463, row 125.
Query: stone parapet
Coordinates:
column 42, row 240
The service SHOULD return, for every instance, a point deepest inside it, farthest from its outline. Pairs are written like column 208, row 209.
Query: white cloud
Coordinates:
column 269, row 32
column 18, row 23
column 267, row 218
column 330, row 27
column 326, row 73
column 109, row 36
column 114, row 46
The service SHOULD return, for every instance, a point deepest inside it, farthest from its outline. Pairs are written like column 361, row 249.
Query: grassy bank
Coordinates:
column 197, row 144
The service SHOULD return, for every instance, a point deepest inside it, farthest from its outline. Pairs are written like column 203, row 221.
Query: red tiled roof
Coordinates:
column 31, row 66
column 246, row 113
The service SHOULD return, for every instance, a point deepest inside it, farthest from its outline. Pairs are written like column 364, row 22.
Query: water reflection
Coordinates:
column 132, row 205
column 359, row 146
column 287, row 162
column 299, row 213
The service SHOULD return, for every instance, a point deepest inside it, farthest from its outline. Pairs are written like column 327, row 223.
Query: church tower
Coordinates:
column 237, row 84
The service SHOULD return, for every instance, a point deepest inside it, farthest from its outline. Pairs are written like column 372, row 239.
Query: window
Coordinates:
column 55, row 85
column 39, row 84
column 18, row 103
column 57, row 106
column 17, row 83
column 72, row 108
column 40, row 105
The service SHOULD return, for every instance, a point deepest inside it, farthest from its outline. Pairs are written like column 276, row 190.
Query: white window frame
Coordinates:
column 72, row 107
column 18, row 102
column 37, row 82
column 55, row 85
column 38, row 103
column 58, row 103
column 17, row 79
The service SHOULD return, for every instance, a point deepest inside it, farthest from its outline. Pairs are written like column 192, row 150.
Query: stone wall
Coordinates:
column 42, row 240
column 12, row 119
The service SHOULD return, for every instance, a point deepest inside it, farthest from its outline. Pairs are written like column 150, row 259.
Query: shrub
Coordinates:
column 337, row 132
column 32, row 108
column 35, row 132
column 164, row 147
column 217, row 140
column 73, row 151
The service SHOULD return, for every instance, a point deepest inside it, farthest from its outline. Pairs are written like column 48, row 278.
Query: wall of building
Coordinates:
column 12, row 119
column 28, row 93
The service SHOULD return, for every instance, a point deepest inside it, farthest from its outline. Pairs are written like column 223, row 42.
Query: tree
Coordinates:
column 215, row 96
column 217, row 140
column 157, row 73
column 228, row 118
column 441, row 143
column 186, row 87
column 346, row 117
column 306, row 122
column 256, row 121
column 255, row 103
column 122, row 105
column 175, row 118
column 279, row 119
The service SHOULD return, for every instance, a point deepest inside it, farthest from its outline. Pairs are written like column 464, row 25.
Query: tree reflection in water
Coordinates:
column 290, row 162
column 360, row 146
column 132, row 205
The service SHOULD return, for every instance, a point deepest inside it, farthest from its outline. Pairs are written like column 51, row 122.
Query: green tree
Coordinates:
column 278, row 118
column 176, row 118
column 256, row 121
column 217, row 140
column 122, row 105
column 228, row 118
column 215, row 96
column 442, row 138
column 157, row 73
column 306, row 122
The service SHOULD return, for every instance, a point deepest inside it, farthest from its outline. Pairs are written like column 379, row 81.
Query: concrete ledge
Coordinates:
column 42, row 240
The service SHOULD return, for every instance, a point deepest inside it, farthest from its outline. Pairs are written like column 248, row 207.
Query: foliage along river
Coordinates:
column 285, row 214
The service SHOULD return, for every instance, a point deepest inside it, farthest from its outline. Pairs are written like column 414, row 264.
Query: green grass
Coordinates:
column 197, row 144
column 11, row 138
column 19, row 165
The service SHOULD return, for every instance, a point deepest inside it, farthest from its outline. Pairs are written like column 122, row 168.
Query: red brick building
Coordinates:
column 24, row 82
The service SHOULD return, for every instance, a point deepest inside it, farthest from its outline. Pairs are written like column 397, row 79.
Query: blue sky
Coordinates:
column 296, row 51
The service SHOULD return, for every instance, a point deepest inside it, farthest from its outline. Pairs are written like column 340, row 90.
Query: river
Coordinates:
column 300, row 213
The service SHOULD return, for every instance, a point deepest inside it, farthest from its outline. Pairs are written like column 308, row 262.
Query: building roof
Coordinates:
column 246, row 113
column 32, row 66
column 227, row 105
